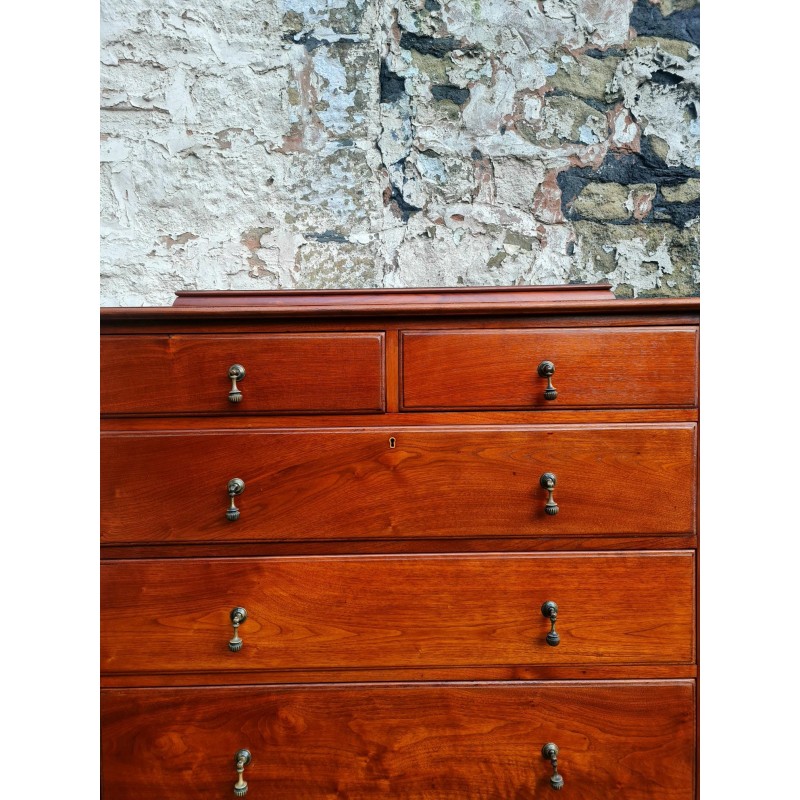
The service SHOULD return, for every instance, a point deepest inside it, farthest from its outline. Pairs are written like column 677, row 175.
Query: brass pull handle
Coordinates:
column 235, row 487
column 241, row 759
column 238, row 616
column 550, row 610
column 548, row 481
column 546, row 370
column 235, row 373
column 550, row 752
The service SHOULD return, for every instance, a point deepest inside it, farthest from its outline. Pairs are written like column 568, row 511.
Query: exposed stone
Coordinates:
column 640, row 260
column 671, row 6
column 584, row 77
column 603, row 201
column 675, row 47
column 660, row 147
column 566, row 118
column 686, row 192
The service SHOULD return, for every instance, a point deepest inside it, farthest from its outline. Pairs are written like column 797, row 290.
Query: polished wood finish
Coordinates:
column 303, row 372
column 418, row 742
column 595, row 367
column 397, row 611
column 623, row 480
column 392, row 549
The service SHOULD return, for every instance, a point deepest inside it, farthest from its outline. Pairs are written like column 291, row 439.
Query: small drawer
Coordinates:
column 594, row 368
column 382, row 483
column 406, row 741
column 353, row 612
column 283, row 372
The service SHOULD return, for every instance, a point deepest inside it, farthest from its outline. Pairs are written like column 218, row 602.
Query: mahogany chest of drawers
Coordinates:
column 405, row 543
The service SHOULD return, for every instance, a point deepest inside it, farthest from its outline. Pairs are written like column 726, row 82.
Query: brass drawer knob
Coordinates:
column 550, row 752
column 238, row 616
column 548, row 481
column 546, row 370
column 235, row 373
column 241, row 759
column 235, row 487
column 550, row 611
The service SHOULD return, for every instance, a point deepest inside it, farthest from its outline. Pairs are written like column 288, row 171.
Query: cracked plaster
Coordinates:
column 331, row 143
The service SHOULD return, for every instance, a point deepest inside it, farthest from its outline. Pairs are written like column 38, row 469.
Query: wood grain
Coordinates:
column 396, row 611
column 352, row 484
column 422, row 742
column 303, row 372
column 595, row 367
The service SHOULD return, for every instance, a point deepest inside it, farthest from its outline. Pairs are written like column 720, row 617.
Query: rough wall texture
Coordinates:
column 252, row 144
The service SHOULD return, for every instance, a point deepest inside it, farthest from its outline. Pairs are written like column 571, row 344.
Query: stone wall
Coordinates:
column 255, row 144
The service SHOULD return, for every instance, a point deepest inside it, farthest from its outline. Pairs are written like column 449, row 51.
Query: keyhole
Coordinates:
column 392, row 442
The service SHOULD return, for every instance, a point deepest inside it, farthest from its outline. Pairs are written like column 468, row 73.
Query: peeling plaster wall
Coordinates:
column 258, row 144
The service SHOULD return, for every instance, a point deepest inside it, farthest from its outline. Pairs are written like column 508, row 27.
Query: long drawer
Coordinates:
column 283, row 372
column 398, row 483
column 594, row 367
column 173, row 615
column 422, row 741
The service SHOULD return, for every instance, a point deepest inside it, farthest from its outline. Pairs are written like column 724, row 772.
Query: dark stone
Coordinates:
column 406, row 209
column 612, row 51
column 662, row 77
column 326, row 236
column 393, row 87
column 448, row 92
column 678, row 213
column 306, row 39
column 503, row 129
column 627, row 168
column 684, row 25
column 432, row 5
column 428, row 45
column 476, row 154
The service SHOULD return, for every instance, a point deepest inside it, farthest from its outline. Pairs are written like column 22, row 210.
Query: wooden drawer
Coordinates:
column 397, row 611
column 353, row 484
column 303, row 372
column 423, row 741
column 595, row 367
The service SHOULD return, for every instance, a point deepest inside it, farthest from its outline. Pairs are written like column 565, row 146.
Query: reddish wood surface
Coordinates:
column 595, row 367
column 351, row 484
column 479, row 301
column 427, row 742
column 402, row 419
column 398, row 597
column 304, row 372
column 536, row 672
column 407, row 300
column 396, row 611
column 398, row 546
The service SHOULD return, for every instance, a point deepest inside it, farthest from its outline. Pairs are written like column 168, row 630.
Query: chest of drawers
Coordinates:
column 404, row 543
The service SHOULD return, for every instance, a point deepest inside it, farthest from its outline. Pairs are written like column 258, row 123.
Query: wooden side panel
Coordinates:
column 297, row 372
column 396, row 611
column 352, row 484
column 409, row 742
column 595, row 367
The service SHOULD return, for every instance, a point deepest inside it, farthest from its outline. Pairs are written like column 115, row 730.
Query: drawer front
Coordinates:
column 303, row 372
column 406, row 483
column 397, row 611
column 594, row 367
column 482, row 741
